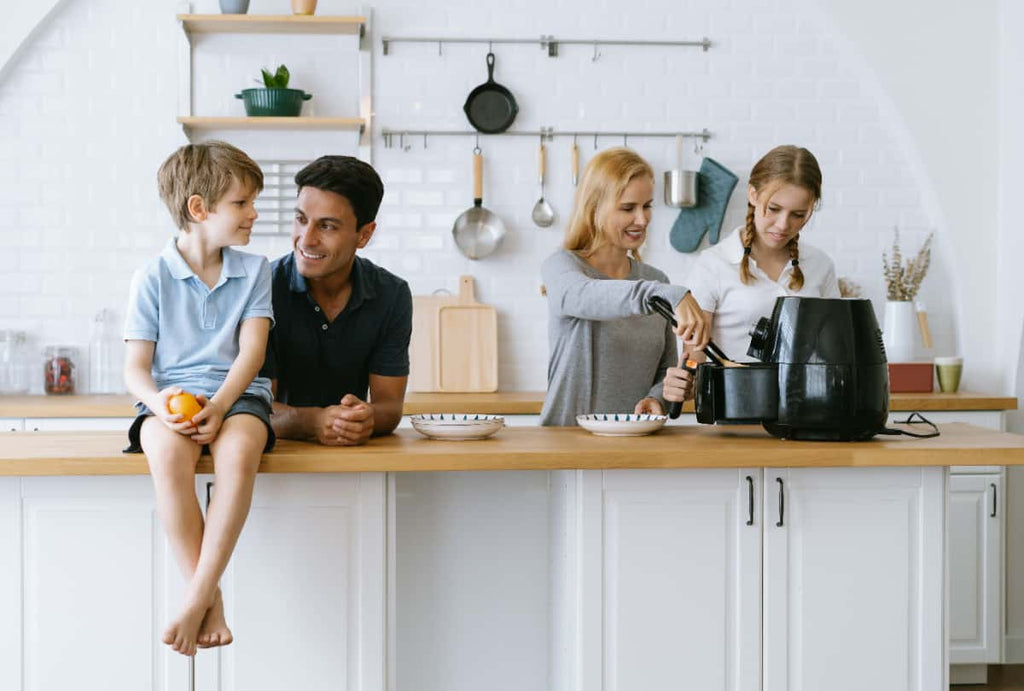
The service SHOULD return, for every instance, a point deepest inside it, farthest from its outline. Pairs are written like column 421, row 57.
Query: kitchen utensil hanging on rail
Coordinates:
column 490, row 107
column 477, row 231
column 543, row 214
column 680, row 185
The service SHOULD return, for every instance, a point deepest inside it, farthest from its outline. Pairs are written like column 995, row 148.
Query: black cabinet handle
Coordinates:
column 750, row 500
column 209, row 486
column 994, row 490
column 782, row 503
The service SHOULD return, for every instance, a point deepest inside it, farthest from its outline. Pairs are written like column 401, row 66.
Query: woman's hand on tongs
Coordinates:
column 691, row 324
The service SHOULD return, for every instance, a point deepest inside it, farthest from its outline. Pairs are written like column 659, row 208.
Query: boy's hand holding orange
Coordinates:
column 208, row 421
column 184, row 404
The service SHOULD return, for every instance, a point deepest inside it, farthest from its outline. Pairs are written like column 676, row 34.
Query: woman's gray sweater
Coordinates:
column 607, row 348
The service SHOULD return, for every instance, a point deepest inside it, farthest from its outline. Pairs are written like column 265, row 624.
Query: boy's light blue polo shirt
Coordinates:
column 196, row 328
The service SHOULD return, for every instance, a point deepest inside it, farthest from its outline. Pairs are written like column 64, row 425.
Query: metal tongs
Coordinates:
column 713, row 352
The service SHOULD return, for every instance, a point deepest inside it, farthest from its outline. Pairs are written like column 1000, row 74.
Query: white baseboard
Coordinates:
column 968, row 674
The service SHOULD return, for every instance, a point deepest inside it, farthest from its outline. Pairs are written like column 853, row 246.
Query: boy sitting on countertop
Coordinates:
column 197, row 321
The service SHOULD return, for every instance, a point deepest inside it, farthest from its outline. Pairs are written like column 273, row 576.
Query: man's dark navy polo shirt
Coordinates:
column 315, row 362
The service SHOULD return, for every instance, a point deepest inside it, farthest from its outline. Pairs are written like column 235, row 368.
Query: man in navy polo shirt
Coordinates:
column 343, row 323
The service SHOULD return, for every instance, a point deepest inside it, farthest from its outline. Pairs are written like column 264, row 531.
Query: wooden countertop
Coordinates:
column 500, row 403
column 536, row 448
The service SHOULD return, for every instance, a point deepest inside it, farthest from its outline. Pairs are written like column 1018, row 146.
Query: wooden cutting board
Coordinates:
column 454, row 346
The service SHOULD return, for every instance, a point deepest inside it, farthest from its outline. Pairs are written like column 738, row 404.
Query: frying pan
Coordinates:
column 477, row 231
column 490, row 107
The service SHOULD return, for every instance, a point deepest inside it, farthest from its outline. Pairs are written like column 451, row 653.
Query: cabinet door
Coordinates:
column 669, row 579
column 853, row 579
column 11, row 424
column 304, row 592
column 10, row 583
column 77, row 424
column 975, row 568
column 89, row 620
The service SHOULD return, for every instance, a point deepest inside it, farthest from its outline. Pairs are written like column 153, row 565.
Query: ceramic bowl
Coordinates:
column 621, row 424
column 457, row 426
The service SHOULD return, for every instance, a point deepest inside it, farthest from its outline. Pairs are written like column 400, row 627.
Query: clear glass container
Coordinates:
column 59, row 369
column 13, row 362
column 104, row 372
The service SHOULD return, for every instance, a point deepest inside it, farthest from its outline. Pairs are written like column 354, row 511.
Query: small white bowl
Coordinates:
column 457, row 426
column 621, row 424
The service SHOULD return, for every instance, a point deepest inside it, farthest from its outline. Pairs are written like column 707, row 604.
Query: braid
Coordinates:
column 796, row 280
column 747, row 239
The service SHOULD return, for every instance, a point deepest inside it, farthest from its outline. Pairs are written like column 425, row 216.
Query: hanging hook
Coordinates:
column 490, row 46
column 575, row 136
column 597, row 54
column 424, row 140
column 405, row 146
column 625, row 139
column 698, row 146
column 439, row 51
column 476, row 149
column 595, row 141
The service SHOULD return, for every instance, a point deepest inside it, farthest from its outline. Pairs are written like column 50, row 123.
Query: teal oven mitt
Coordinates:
column 715, row 184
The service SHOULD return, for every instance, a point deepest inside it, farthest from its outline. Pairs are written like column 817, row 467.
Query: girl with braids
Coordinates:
column 609, row 351
column 737, row 281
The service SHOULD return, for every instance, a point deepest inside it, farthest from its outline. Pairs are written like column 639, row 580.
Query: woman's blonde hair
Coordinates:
column 783, row 165
column 206, row 169
column 605, row 177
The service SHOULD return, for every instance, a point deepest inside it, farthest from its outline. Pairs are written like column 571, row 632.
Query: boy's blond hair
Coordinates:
column 205, row 169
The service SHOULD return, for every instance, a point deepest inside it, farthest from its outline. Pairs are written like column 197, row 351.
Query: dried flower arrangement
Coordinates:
column 848, row 288
column 903, row 280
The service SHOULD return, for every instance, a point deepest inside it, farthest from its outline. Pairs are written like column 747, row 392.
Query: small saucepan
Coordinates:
column 478, row 231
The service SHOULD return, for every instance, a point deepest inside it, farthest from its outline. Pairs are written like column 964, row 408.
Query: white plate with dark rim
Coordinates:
column 621, row 424
column 457, row 426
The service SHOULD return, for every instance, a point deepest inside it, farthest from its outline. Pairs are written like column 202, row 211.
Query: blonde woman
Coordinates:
column 609, row 352
column 738, row 280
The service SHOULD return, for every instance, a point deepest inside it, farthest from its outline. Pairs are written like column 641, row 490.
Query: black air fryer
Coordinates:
column 822, row 374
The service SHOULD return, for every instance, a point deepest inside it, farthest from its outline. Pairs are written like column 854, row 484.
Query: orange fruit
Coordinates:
column 184, row 404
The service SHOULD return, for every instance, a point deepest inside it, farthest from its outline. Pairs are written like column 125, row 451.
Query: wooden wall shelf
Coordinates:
column 271, row 24
column 270, row 123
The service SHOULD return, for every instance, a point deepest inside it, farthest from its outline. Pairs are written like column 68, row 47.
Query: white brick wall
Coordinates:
column 88, row 114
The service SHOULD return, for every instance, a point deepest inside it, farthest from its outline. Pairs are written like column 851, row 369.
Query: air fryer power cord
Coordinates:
column 921, row 420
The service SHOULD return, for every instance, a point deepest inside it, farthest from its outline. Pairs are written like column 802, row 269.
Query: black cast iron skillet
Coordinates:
column 714, row 353
column 490, row 107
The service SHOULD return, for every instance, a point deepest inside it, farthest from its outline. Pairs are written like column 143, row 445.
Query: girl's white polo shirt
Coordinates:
column 715, row 283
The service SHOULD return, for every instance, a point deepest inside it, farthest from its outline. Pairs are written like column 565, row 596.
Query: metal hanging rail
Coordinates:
column 547, row 133
column 548, row 43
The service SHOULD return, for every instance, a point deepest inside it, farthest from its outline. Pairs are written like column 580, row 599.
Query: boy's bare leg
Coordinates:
column 172, row 463
column 236, row 452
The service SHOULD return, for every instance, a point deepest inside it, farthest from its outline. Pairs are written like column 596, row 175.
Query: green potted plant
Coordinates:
column 274, row 98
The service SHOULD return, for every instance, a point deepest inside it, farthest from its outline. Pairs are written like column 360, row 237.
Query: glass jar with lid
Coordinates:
column 59, row 369
column 13, row 362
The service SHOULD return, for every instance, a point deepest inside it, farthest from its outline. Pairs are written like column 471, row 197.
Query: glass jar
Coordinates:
column 59, row 369
column 13, row 362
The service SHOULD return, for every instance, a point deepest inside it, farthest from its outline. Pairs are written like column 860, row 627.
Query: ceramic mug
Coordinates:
column 948, row 371
column 303, row 6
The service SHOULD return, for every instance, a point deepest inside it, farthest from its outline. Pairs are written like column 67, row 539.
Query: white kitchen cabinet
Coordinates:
column 11, row 424
column 304, row 592
column 668, row 580
column 89, row 569
column 10, row 583
column 975, row 568
column 853, row 579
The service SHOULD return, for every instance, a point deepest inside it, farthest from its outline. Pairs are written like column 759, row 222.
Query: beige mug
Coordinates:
column 948, row 371
column 303, row 6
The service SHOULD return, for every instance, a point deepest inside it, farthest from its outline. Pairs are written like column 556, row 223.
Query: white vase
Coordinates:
column 900, row 331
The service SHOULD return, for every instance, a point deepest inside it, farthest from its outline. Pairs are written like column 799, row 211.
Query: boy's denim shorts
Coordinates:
column 250, row 405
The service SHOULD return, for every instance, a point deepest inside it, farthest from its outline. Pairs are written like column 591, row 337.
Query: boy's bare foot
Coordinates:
column 182, row 633
column 214, row 630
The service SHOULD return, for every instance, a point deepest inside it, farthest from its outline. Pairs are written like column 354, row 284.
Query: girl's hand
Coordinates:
column 692, row 326
column 175, row 421
column 208, row 420
column 679, row 383
column 648, row 406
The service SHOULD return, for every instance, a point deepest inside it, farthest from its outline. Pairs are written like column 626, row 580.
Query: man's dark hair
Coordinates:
column 353, row 179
